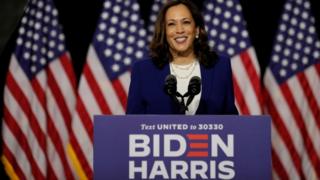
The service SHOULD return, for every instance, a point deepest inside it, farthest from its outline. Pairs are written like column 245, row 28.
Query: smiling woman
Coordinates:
column 182, row 60
column 181, row 32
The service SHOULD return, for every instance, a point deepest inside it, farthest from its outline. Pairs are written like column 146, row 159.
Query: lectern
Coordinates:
column 182, row 147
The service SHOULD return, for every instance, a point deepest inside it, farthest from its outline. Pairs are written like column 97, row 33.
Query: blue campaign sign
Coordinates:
column 182, row 147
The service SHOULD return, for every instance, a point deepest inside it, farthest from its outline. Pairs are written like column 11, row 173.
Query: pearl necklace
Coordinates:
column 192, row 66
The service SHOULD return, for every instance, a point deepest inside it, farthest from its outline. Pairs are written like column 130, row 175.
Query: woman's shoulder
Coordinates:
column 221, row 61
column 145, row 63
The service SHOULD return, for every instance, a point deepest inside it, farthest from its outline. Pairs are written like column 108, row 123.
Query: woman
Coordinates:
column 180, row 47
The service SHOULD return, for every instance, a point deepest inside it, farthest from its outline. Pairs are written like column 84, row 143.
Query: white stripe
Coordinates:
column 283, row 110
column 275, row 176
column 16, row 150
column 88, row 99
column 307, row 168
column 55, row 161
column 104, row 83
column 23, row 122
column 283, row 154
column 22, row 81
column 308, row 118
column 125, row 81
column 64, row 84
column 254, row 60
column 83, row 139
column 314, row 81
column 245, row 85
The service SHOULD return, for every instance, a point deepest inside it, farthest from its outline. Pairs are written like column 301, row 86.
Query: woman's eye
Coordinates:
column 170, row 24
column 186, row 22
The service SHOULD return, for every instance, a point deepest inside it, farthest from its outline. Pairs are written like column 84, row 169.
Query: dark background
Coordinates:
column 79, row 17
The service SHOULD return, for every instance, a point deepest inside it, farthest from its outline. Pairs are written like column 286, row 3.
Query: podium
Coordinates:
column 182, row 147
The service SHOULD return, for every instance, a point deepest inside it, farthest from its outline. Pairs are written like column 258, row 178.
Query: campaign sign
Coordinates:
column 182, row 147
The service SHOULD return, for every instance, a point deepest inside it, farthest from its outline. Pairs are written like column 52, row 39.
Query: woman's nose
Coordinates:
column 179, row 28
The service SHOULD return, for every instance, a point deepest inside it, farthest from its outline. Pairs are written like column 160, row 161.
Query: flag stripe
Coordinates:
column 68, row 69
column 58, row 70
column 14, row 110
column 280, row 149
column 245, row 87
column 58, row 144
column 85, row 119
column 119, row 89
column 55, row 168
column 85, row 94
column 59, row 99
column 278, row 166
column 14, row 127
column 125, row 81
column 96, row 91
column 242, row 106
column 314, row 80
column 302, row 127
column 310, row 97
column 305, row 110
column 109, row 93
column 12, row 159
column 281, row 128
column 81, row 157
column 22, row 100
column 254, row 77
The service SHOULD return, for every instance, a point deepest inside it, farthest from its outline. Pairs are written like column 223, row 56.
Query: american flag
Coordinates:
column 228, row 36
column 119, row 41
column 292, row 84
column 155, row 9
column 39, row 98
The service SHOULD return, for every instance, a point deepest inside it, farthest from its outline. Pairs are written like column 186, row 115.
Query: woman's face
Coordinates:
column 180, row 30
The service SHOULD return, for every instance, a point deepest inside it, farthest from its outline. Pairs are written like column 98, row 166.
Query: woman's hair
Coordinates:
column 159, row 47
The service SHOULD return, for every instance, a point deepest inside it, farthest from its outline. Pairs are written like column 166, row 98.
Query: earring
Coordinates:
column 197, row 36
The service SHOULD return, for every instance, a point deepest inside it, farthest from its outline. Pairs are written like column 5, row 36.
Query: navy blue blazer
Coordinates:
column 147, row 95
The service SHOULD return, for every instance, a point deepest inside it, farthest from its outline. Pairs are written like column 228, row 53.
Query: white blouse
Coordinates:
column 184, row 73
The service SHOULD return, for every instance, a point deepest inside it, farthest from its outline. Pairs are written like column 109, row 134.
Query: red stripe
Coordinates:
column 197, row 154
column 122, row 95
column 277, row 165
column 11, row 158
column 197, row 136
column 81, row 157
column 23, row 142
column 315, row 161
column 317, row 66
column 283, row 132
column 253, row 75
column 39, row 92
column 85, row 119
column 68, row 68
column 99, row 98
column 25, row 106
column 244, row 110
column 311, row 99
column 50, row 173
column 198, row 145
column 57, row 142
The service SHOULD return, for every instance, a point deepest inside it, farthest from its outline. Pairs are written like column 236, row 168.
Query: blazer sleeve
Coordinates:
column 135, row 104
column 230, row 107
